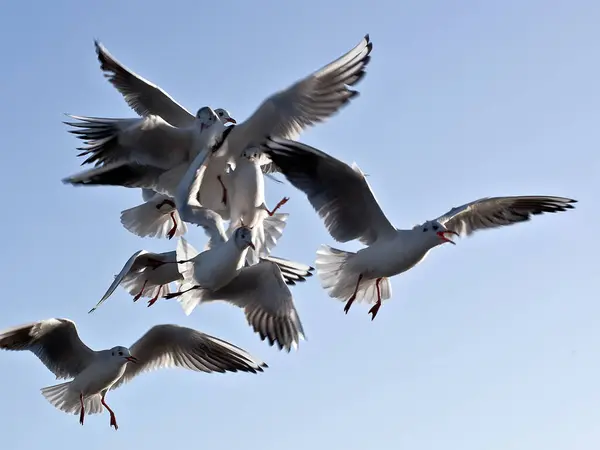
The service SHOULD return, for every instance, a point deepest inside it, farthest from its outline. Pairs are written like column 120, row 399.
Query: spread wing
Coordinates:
column 165, row 346
column 494, row 212
column 147, row 141
column 143, row 96
column 339, row 193
column 267, row 302
column 307, row 102
column 55, row 342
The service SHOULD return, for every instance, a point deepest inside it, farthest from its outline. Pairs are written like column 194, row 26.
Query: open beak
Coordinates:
column 251, row 245
column 132, row 359
column 231, row 120
column 444, row 238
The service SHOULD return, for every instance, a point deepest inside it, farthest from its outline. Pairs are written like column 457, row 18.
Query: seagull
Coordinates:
column 156, row 217
column 342, row 197
column 147, row 274
column 57, row 344
column 245, row 190
column 260, row 289
column 144, row 152
column 285, row 113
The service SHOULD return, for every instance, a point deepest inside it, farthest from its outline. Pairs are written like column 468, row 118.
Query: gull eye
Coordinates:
column 221, row 114
column 120, row 353
column 435, row 227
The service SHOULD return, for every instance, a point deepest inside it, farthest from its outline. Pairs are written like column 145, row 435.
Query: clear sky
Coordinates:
column 488, row 345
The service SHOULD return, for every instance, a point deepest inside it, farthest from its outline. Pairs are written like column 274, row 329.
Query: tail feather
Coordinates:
column 62, row 397
column 340, row 282
column 265, row 235
column 146, row 220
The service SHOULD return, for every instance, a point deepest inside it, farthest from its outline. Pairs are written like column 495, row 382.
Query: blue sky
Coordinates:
column 490, row 344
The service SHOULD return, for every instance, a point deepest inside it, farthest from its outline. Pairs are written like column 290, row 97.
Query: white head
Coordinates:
column 206, row 117
column 122, row 354
column 243, row 238
column 434, row 233
column 251, row 154
column 224, row 116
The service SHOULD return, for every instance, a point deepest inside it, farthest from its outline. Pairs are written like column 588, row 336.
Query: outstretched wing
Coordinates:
column 307, row 102
column 54, row 341
column 494, row 212
column 143, row 96
column 166, row 346
column 339, row 193
column 267, row 302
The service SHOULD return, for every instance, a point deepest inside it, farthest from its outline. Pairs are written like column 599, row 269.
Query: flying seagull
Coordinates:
column 57, row 344
column 343, row 199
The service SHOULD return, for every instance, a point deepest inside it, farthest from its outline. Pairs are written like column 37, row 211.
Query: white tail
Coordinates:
column 265, row 235
column 340, row 283
column 67, row 400
column 146, row 220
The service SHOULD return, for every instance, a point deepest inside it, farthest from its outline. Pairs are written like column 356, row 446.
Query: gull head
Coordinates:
column 122, row 353
column 224, row 116
column 252, row 154
column 243, row 238
column 435, row 233
column 206, row 117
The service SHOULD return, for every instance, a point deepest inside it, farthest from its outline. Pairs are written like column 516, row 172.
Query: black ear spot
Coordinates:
column 424, row 229
column 435, row 227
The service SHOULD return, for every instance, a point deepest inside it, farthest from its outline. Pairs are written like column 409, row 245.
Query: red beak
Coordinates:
column 231, row 120
column 132, row 359
column 442, row 236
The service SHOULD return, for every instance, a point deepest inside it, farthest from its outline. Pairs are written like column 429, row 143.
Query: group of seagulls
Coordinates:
column 207, row 169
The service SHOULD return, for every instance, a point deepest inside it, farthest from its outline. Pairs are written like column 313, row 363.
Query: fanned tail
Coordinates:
column 147, row 220
column 340, row 282
column 62, row 397
column 265, row 235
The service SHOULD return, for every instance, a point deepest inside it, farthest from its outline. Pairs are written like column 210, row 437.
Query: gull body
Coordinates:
column 245, row 187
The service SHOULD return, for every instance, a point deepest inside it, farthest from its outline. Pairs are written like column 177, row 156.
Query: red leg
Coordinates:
column 172, row 231
column 82, row 411
column 224, row 197
column 282, row 202
column 153, row 300
column 137, row 297
column 113, row 419
column 377, row 305
column 351, row 299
